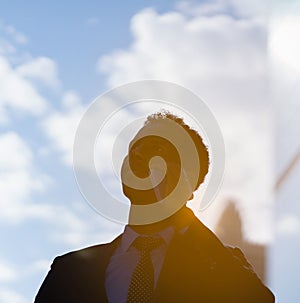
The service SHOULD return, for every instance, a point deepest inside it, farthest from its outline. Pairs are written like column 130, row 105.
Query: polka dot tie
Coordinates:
column 141, row 287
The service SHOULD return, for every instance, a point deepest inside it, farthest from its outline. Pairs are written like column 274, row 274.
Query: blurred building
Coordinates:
column 229, row 230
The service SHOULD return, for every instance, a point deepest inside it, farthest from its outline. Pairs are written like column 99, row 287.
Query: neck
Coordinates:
column 180, row 219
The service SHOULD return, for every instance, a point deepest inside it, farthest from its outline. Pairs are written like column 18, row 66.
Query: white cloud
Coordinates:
column 6, row 47
column 289, row 225
column 39, row 266
column 244, row 8
column 17, row 36
column 60, row 126
column 12, row 33
column 224, row 60
column 8, row 295
column 284, row 49
column 201, row 52
column 80, row 227
column 71, row 100
column 14, row 152
column 208, row 8
column 42, row 69
column 19, row 179
column 7, row 272
column 17, row 93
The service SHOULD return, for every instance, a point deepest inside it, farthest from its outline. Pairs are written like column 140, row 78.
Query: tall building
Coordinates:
column 229, row 229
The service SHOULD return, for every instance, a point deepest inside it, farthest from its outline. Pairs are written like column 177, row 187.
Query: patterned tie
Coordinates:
column 141, row 287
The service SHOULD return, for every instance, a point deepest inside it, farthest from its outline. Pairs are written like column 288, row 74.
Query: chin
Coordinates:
column 139, row 197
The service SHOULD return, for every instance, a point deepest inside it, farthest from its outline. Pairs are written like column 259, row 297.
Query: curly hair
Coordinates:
column 202, row 149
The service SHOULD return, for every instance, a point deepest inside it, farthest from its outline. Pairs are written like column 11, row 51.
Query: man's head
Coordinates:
column 149, row 143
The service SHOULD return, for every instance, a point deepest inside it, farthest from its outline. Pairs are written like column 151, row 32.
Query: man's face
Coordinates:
column 142, row 149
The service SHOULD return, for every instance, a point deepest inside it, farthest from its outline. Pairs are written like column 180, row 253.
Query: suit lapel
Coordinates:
column 188, row 264
column 93, row 266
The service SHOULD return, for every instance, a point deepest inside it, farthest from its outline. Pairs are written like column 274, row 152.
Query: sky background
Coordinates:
column 240, row 57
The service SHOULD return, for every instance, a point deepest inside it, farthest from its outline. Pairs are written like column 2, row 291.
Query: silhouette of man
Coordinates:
column 176, row 259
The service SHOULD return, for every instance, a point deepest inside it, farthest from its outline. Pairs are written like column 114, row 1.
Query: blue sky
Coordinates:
column 55, row 58
column 76, row 34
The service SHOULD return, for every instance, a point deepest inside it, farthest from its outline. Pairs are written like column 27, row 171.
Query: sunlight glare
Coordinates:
column 284, row 41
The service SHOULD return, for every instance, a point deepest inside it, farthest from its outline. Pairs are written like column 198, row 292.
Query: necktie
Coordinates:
column 141, row 287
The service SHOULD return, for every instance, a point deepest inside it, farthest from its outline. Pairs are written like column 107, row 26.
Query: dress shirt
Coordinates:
column 124, row 260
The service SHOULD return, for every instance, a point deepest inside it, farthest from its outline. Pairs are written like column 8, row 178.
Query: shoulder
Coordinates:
column 228, row 266
column 84, row 253
column 239, row 256
column 87, row 254
column 80, row 261
column 73, row 273
column 206, row 242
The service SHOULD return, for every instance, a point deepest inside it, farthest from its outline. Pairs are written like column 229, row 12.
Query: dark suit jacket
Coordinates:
column 197, row 268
